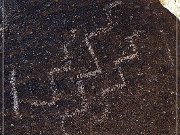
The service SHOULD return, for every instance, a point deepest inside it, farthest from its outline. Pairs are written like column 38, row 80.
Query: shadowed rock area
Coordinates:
column 81, row 67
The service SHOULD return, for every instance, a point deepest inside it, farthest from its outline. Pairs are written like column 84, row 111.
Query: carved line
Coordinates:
column 14, row 93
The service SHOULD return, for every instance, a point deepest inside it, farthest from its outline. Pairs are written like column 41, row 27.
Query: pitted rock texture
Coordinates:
column 85, row 67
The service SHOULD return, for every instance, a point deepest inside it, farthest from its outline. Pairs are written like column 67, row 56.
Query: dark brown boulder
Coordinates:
column 86, row 67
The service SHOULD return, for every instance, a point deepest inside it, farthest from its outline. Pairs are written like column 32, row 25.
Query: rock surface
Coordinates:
column 81, row 67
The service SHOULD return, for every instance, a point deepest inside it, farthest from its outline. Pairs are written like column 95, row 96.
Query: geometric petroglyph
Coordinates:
column 73, row 67
column 82, row 77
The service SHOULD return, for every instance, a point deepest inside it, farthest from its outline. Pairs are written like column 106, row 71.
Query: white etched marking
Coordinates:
column 81, row 88
column 112, row 88
column 64, row 116
column 52, row 83
column 99, row 31
column 53, row 87
column 116, row 86
column 67, row 66
column 94, row 34
column 104, row 116
column 122, row 77
column 113, row 4
column 108, row 8
column 129, row 57
column 73, row 35
column 130, row 39
column 84, row 104
column 55, row 70
column 62, row 126
column 89, row 74
column 15, row 93
column 135, row 34
column 66, row 51
column 42, row 103
column 91, row 50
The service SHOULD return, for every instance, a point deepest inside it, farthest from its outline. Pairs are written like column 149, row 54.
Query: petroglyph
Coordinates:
column 89, row 68
column 129, row 57
column 112, row 88
column 134, row 55
column 14, row 93
column 84, row 103
column 108, row 8
column 113, row 4
column 89, row 74
column 66, row 44
column 91, row 50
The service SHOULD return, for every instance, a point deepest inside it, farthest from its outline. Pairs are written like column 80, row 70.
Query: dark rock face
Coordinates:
column 85, row 67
